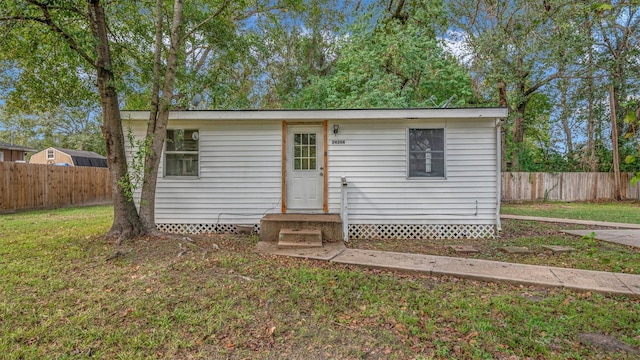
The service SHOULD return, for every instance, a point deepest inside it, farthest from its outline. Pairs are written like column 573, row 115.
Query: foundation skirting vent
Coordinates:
column 359, row 231
column 203, row 228
column 430, row 231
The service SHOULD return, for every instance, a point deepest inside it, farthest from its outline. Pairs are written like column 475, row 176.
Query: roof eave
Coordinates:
column 365, row 114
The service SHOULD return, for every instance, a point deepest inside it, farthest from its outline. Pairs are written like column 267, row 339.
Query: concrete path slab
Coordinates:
column 585, row 280
column 327, row 252
column 476, row 269
column 494, row 271
column 631, row 281
column 572, row 221
column 624, row 237
column 387, row 260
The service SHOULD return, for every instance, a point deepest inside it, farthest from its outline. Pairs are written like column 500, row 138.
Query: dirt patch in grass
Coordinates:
column 607, row 343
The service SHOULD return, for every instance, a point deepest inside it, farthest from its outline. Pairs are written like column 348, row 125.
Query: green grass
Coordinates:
column 64, row 294
column 623, row 212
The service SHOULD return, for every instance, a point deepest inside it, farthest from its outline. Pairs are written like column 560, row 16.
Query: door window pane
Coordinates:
column 304, row 152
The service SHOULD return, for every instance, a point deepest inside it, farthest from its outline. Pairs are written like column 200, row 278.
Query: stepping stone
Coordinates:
column 515, row 249
column 464, row 248
column 557, row 249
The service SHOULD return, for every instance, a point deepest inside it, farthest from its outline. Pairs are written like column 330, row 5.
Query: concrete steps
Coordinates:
column 300, row 230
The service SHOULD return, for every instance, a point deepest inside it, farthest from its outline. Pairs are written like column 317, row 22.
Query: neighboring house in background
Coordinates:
column 13, row 153
column 67, row 157
column 399, row 173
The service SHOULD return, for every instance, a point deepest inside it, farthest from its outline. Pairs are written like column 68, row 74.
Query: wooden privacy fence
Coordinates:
column 582, row 186
column 34, row 186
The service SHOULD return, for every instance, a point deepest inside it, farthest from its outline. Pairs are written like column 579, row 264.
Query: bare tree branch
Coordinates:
column 203, row 22
column 542, row 83
column 258, row 11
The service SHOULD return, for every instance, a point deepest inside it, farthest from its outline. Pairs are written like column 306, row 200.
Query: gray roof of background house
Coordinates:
column 80, row 153
column 85, row 158
column 6, row 145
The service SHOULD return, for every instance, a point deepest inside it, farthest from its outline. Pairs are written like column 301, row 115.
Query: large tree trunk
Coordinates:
column 159, row 117
column 614, row 140
column 564, row 116
column 126, row 223
column 149, row 180
column 591, row 118
column 502, row 101
column 518, row 135
column 591, row 142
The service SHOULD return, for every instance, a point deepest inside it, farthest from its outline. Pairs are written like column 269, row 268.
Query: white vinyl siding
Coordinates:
column 373, row 158
column 240, row 172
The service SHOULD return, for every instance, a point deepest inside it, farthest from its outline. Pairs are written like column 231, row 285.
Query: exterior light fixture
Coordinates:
column 336, row 127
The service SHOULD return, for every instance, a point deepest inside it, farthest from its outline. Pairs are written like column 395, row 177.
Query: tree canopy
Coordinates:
column 563, row 69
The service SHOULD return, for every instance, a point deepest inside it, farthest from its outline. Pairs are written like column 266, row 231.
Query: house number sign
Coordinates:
column 338, row 142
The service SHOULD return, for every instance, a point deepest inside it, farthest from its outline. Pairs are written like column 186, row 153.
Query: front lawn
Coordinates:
column 65, row 292
column 621, row 211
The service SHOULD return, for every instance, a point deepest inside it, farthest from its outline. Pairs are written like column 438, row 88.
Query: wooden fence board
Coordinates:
column 522, row 186
column 34, row 186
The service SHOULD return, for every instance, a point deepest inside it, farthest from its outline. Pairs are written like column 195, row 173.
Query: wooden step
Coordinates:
column 299, row 238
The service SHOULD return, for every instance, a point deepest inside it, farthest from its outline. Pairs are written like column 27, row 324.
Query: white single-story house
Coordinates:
column 394, row 173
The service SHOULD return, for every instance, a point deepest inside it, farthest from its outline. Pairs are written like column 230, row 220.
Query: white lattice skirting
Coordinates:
column 359, row 231
column 430, row 231
column 203, row 228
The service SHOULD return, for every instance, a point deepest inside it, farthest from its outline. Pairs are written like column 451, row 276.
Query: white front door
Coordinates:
column 305, row 168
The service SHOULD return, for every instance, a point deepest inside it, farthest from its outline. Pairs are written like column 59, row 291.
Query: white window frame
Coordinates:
column 53, row 152
column 165, row 153
column 444, row 154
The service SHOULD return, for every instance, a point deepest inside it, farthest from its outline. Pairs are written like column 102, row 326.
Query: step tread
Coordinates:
column 286, row 244
column 301, row 231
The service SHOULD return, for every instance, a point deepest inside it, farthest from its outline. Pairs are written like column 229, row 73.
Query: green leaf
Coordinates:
column 630, row 118
column 601, row 7
column 630, row 159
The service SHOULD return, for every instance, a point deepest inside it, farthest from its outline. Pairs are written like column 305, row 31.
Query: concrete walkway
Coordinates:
column 483, row 270
column 622, row 237
column 629, row 234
